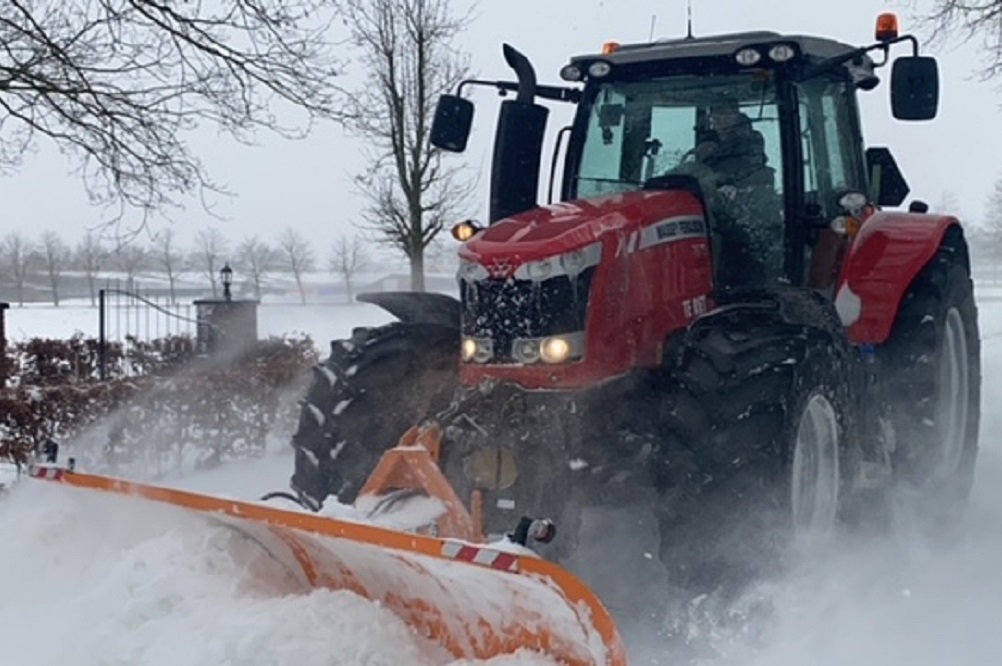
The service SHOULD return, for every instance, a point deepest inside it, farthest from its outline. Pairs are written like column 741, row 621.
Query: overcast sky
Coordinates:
column 307, row 185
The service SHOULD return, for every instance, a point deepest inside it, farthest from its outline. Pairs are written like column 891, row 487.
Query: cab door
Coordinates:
column 832, row 153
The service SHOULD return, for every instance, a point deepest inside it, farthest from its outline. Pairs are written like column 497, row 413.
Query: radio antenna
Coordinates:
column 689, row 12
column 654, row 20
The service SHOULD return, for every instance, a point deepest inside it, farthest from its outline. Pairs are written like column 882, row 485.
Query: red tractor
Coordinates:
column 720, row 312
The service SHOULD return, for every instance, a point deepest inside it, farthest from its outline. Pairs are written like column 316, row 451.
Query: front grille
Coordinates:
column 504, row 309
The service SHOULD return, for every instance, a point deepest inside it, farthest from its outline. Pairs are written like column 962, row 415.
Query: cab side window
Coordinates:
column 830, row 144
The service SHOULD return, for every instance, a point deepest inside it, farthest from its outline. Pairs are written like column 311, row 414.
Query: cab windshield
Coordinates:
column 644, row 129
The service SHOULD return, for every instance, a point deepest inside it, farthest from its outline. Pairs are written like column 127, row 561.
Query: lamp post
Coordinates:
column 226, row 277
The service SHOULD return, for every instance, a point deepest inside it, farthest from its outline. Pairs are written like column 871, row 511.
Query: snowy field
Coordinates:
column 322, row 322
column 93, row 580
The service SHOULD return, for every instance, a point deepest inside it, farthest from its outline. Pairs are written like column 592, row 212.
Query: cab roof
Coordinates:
column 716, row 46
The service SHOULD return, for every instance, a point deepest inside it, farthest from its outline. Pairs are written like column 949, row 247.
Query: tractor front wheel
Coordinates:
column 759, row 448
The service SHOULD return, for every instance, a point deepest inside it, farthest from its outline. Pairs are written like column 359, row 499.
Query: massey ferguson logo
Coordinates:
column 683, row 227
column 500, row 269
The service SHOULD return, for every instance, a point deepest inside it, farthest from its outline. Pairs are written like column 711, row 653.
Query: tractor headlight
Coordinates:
column 555, row 350
column 526, row 350
column 599, row 69
column 477, row 350
column 471, row 271
column 747, row 57
column 571, row 73
column 552, row 349
column 570, row 263
column 782, row 53
column 539, row 270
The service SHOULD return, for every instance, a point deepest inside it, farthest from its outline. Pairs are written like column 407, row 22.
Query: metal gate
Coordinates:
column 129, row 316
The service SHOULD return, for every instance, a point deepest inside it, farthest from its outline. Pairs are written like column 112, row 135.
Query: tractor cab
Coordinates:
column 763, row 128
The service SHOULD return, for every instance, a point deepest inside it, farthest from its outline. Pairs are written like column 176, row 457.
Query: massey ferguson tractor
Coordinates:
column 722, row 308
column 722, row 317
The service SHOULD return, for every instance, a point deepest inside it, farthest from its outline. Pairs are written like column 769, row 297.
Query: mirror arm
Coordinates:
column 832, row 63
column 555, row 93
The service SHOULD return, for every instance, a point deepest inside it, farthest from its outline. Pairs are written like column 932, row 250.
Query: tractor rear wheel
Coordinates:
column 932, row 387
column 759, row 442
column 372, row 388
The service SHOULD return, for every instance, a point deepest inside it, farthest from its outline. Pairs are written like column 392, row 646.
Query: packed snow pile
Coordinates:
column 95, row 579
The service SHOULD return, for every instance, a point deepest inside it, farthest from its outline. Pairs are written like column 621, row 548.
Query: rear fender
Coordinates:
column 416, row 307
column 889, row 252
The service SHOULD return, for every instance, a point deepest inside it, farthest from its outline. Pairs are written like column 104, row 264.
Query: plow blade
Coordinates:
column 475, row 601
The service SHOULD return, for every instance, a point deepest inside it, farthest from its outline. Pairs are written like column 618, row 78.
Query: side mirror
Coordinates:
column 451, row 126
column 914, row 88
column 887, row 186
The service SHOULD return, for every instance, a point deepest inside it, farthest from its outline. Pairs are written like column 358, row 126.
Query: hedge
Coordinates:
column 162, row 409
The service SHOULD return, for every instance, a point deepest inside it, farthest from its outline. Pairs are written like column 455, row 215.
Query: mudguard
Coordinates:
column 475, row 601
column 889, row 252
column 417, row 307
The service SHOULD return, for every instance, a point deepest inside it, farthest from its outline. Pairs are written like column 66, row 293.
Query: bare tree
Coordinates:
column 117, row 84
column 55, row 254
column 17, row 254
column 90, row 255
column 169, row 259
column 947, row 204
column 297, row 257
column 407, row 50
column 255, row 258
column 990, row 245
column 210, row 246
column 348, row 257
column 130, row 258
column 979, row 20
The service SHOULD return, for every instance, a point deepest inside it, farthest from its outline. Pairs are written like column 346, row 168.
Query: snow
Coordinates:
column 92, row 579
column 322, row 321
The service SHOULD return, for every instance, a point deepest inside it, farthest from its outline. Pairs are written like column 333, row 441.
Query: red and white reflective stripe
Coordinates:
column 49, row 473
column 495, row 559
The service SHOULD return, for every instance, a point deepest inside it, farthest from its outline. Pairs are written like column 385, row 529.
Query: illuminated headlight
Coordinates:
column 552, row 349
column 747, row 57
column 570, row 73
column 471, row 271
column 599, row 69
column 781, row 53
column 569, row 263
column 477, row 350
column 555, row 350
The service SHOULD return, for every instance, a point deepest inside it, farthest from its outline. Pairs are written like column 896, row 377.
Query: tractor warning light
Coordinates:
column 887, row 27
column 610, row 47
column 465, row 230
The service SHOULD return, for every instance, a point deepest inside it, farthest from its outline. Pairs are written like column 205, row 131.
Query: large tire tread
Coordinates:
column 366, row 394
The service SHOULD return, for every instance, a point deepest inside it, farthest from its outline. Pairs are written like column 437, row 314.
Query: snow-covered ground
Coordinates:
column 97, row 580
column 322, row 322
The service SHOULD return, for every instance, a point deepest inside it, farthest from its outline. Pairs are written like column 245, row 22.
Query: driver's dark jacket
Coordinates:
column 739, row 158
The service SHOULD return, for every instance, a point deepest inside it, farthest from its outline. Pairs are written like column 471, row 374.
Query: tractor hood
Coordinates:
column 617, row 221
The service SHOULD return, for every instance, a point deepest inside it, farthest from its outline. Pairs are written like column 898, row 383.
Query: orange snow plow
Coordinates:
column 476, row 601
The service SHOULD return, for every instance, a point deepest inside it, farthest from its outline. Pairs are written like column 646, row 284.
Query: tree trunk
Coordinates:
column 299, row 285
column 417, row 270
column 54, row 282
column 347, row 288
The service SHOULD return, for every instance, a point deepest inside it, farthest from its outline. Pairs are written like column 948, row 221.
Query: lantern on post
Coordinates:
column 226, row 277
